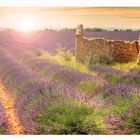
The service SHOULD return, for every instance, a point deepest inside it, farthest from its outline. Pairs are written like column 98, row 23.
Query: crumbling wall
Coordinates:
column 138, row 60
column 117, row 50
column 123, row 51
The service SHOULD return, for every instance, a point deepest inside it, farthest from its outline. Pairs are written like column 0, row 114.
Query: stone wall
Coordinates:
column 116, row 50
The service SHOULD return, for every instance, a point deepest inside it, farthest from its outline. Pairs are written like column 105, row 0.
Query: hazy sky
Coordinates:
column 71, row 17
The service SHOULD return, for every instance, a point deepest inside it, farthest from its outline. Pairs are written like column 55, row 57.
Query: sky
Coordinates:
column 40, row 18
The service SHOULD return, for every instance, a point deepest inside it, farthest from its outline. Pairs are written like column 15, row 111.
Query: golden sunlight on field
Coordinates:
column 14, row 126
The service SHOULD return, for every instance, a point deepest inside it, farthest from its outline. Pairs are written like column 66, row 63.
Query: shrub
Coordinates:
column 131, row 79
column 101, row 59
column 121, row 105
column 66, row 54
column 132, row 119
column 2, row 130
column 112, row 78
column 69, row 117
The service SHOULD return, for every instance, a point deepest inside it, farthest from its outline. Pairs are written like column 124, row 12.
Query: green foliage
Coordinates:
column 2, row 130
column 112, row 78
column 131, row 81
column 60, row 58
column 88, row 86
column 123, row 30
column 65, row 54
column 136, row 81
column 102, row 59
column 132, row 122
column 68, row 29
column 66, row 58
column 126, row 80
column 126, row 66
column 95, row 30
column 116, row 30
column 69, row 116
column 121, row 104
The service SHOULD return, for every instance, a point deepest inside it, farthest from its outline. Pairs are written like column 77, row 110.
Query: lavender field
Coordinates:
column 50, row 40
column 42, row 92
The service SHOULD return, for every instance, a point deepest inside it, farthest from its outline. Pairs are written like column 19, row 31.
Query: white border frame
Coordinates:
column 69, row 3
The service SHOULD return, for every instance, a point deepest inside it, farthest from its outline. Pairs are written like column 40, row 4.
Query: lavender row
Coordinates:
column 29, row 90
column 132, row 78
column 50, row 40
column 51, row 70
column 73, row 77
column 104, row 69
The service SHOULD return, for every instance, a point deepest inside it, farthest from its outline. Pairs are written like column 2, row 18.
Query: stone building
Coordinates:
column 114, row 50
column 138, row 60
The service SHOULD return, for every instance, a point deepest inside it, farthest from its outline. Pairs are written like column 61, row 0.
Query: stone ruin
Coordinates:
column 138, row 60
column 116, row 50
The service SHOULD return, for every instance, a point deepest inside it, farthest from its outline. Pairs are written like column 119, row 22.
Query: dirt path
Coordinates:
column 14, row 126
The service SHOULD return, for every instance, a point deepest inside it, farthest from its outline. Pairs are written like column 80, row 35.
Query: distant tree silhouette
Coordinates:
column 95, row 29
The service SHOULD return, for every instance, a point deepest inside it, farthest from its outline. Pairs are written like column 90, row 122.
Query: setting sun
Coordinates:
column 26, row 25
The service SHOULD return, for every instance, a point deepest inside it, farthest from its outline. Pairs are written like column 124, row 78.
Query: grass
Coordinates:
column 112, row 78
column 126, row 66
column 131, row 81
column 60, row 59
column 121, row 105
column 2, row 130
column 132, row 122
column 82, row 67
column 70, row 117
column 88, row 86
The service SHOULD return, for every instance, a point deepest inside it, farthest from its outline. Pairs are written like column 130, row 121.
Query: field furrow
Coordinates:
column 14, row 125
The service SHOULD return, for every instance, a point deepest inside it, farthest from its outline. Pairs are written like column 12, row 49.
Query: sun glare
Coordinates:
column 26, row 25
